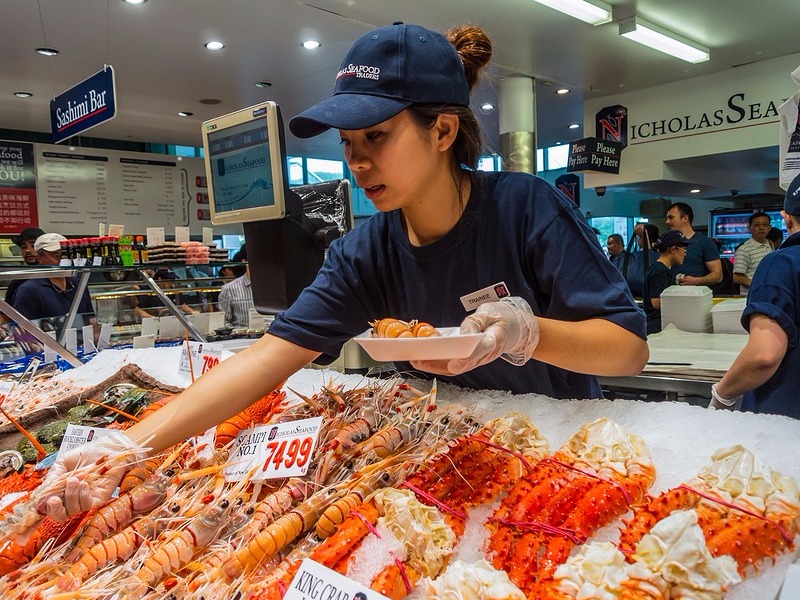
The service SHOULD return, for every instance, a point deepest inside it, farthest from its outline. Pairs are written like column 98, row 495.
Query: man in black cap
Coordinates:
column 25, row 241
column 767, row 370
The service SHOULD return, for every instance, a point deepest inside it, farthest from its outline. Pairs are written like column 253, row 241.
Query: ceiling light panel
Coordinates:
column 593, row 12
column 660, row 39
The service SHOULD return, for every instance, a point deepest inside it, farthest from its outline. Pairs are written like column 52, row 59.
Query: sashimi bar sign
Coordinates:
column 594, row 154
column 83, row 106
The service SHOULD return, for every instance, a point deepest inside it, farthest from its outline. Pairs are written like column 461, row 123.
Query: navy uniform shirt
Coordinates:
column 516, row 229
column 775, row 293
column 698, row 253
column 38, row 298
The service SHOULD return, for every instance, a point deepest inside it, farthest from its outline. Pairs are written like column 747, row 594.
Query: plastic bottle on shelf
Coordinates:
column 65, row 260
column 141, row 249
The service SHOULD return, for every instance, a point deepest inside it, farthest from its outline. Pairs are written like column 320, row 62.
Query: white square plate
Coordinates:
column 451, row 344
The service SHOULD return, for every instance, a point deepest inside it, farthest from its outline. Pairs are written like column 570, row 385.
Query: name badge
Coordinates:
column 492, row 293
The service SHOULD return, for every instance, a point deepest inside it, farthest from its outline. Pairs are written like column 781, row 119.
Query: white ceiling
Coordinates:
column 162, row 67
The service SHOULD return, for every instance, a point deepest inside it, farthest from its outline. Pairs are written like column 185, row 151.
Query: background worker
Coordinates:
column 444, row 231
column 24, row 241
column 749, row 254
column 52, row 297
column 702, row 265
column 236, row 297
column 672, row 248
column 767, row 370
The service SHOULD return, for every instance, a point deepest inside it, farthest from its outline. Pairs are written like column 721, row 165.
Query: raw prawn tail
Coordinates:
column 138, row 474
column 391, row 328
column 649, row 513
column 119, row 546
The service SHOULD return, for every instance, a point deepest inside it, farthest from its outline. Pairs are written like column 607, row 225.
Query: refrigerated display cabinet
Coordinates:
column 729, row 226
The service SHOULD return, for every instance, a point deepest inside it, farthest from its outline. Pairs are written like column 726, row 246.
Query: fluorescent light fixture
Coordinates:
column 660, row 39
column 487, row 107
column 694, row 191
column 185, row 113
column 593, row 12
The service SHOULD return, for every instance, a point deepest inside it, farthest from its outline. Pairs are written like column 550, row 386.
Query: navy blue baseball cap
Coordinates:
column 791, row 203
column 673, row 237
column 386, row 71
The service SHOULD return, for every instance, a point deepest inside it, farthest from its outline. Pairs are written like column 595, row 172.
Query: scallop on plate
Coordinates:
column 450, row 344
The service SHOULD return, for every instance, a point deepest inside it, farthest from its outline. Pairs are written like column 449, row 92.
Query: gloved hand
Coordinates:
column 721, row 403
column 510, row 331
column 87, row 483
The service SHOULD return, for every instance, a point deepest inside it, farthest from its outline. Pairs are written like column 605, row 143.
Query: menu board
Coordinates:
column 82, row 187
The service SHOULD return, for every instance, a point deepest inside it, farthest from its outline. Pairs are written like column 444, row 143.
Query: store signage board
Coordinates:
column 594, row 154
column 83, row 106
column 315, row 581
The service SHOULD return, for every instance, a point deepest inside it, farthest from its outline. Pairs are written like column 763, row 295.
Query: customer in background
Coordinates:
column 25, row 241
column 52, row 297
column 616, row 247
column 775, row 237
column 749, row 255
column 726, row 287
column 702, row 265
column 236, row 297
column 767, row 370
column 673, row 248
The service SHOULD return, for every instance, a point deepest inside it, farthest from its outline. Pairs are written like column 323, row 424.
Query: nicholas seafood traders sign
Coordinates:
column 89, row 103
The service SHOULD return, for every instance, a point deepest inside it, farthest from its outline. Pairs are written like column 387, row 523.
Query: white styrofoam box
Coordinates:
column 727, row 316
column 688, row 307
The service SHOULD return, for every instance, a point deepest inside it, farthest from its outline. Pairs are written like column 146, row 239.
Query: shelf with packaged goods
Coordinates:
column 111, row 289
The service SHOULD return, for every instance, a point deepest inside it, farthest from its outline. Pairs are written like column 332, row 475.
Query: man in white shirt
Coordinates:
column 749, row 254
column 236, row 297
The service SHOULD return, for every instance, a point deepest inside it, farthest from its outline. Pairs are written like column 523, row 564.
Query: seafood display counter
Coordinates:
column 682, row 363
column 416, row 490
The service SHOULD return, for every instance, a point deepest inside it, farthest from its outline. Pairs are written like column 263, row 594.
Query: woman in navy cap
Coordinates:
column 505, row 254
column 672, row 247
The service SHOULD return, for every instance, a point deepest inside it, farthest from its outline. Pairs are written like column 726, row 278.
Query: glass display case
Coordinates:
column 729, row 226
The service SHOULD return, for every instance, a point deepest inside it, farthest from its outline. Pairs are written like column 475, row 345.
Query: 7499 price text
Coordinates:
column 298, row 453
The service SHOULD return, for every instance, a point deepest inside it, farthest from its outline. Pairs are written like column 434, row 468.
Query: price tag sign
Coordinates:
column 78, row 435
column 181, row 235
column 208, row 235
column 204, row 356
column 155, row 236
column 116, row 230
column 274, row 451
column 314, row 581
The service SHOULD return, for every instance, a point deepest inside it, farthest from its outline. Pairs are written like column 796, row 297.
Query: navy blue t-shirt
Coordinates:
column 698, row 253
column 516, row 229
column 38, row 298
column 775, row 293
column 659, row 278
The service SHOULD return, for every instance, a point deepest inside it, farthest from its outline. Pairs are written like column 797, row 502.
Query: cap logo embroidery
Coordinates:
column 364, row 71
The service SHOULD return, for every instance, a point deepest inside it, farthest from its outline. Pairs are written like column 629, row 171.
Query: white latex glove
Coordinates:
column 510, row 331
column 87, row 482
column 721, row 403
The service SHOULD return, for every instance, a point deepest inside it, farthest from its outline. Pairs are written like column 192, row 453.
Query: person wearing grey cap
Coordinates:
column 52, row 297
column 503, row 255
column 767, row 371
column 24, row 241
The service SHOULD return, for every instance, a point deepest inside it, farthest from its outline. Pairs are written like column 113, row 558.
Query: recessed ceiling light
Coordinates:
column 311, row 44
column 134, row 2
column 694, row 191
column 262, row 84
column 558, row 143
column 47, row 51
column 562, row 91
column 214, row 45
column 23, row 94
column 574, row 126
column 487, row 107
column 185, row 113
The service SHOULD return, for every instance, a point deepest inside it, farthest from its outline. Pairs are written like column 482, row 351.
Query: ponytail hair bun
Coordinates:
column 474, row 47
